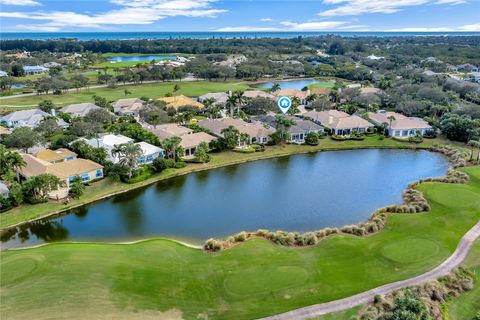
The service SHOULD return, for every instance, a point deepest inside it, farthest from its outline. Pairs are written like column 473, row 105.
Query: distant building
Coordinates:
column 128, row 107
column 79, row 109
column 35, row 69
column 258, row 93
column 220, row 97
column 3, row 73
column 165, row 131
column 398, row 125
column 28, row 118
column 374, row 57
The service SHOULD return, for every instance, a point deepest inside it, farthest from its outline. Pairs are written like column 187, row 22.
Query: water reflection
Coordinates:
column 47, row 231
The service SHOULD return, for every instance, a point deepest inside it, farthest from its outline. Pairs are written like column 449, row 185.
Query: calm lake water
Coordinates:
column 290, row 84
column 139, row 58
column 295, row 193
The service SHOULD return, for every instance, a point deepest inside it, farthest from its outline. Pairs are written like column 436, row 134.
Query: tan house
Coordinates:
column 169, row 130
column 79, row 109
column 4, row 130
column 128, row 107
column 64, row 165
column 398, row 125
column 320, row 91
column 294, row 93
column 190, row 142
column 258, row 93
column 339, row 123
column 177, row 102
column 257, row 132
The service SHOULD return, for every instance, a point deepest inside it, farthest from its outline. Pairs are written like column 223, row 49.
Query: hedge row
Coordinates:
column 457, row 157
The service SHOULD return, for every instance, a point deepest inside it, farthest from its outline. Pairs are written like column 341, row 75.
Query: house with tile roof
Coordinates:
column 297, row 132
column 168, row 130
column 257, row 133
column 65, row 167
column 179, row 101
column 190, row 142
column 28, row 118
column 79, row 109
column 399, row 125
column 128, row 107
column 338, row 122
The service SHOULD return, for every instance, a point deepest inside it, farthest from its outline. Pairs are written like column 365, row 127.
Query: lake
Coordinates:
column 139, row 58
column 294, row 193
column 290, row 84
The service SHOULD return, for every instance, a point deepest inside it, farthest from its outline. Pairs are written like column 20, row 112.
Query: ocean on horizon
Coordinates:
column 85, row 36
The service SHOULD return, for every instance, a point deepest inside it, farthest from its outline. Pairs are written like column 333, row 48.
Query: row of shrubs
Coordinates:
column 457, row 157
column 375, row 223
column 420, row 302
column 353, row 136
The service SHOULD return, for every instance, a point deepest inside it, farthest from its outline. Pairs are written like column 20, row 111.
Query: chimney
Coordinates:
column 53, row 112
column 330, row 119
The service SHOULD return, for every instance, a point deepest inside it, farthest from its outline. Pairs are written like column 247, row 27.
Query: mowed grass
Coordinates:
column 322, row 84
column 467, row 306
column 106, row 187
column 158, row 277
column 151, row 90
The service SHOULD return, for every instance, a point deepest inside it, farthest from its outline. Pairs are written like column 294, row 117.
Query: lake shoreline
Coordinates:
column 202, row 167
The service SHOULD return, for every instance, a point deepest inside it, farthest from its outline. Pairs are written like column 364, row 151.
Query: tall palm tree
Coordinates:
column 240, row 99
column 116, row 150
column 231, row 103
column 474, row 144
column 391, row 119
column 129, row 156
column 172, row 146
column 209, row 102
column 282, row 124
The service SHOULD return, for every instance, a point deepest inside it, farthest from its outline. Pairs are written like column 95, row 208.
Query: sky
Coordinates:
column 239, row 15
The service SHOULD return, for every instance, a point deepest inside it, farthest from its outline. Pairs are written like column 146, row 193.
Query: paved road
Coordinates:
column 365, row 297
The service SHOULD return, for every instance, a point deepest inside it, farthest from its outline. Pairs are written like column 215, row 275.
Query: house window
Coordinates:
column 69, row 158
column 405, row 133
column 150, row 157
column 99, row 173
column 85, row 177
column 72, row 178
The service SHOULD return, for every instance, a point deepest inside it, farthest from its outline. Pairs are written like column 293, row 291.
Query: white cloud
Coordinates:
column 312, row 26
column 358, row 7
column 131, row 12
column 247, row 29
column 451, row 2
column 19, row 2
column 421, row 29
column 266, row 19
column 470, row 27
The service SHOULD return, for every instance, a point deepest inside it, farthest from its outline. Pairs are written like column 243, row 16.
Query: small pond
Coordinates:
column 295, row 193
column 139, row 58
column 290, row 84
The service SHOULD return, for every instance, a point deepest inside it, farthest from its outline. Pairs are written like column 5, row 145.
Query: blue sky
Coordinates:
column 239, row 15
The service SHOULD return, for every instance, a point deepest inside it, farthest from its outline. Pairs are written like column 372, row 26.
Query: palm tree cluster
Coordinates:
column 129, row 155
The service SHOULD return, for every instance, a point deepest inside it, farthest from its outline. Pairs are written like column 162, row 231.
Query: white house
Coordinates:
column 28, row 118
column 35, row 69
column 110, row 141
column 398, row 125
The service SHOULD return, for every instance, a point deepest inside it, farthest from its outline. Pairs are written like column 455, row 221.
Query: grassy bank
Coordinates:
column 106, row 187
column 152, row 90
column 163, row 279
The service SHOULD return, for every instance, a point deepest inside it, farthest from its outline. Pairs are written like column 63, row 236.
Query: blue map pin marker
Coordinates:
column 284, row 103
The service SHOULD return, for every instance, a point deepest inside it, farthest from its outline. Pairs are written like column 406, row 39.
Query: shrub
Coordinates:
column 339, row 138
column 381, row 137
column 312, row 138
column 416, row 139
column 241, row 236
column 160, row 164
column 180, row 164
column 213, row 245
column 258, row 147
column 248, row 149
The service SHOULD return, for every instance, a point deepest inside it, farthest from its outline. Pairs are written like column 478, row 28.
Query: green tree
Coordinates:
column 46, row 106
column 282, row 124
column 312, row 138
column 77, row 188
column 201, row 153
column 129, row 156
column 48, row 127
column 38, row 187
column 275, row 87
column 10, row 163
column 172, row 148
column 231, row 137
column 22, row 138
column 102, row 102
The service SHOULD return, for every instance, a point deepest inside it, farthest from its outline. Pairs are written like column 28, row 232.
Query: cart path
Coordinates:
column 365, row 297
